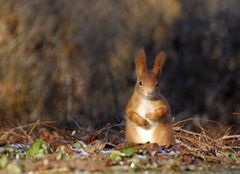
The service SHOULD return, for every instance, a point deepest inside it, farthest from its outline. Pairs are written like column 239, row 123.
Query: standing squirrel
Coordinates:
column 147, row 112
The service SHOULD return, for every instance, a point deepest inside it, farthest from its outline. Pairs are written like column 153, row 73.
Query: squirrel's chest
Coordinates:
column 144, row 108
column 145, row 135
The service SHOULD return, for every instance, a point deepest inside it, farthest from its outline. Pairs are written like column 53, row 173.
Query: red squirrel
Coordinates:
column 147, row 112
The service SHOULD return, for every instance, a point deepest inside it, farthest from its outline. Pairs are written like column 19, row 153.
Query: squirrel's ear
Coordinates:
column 159, row 61
column 140, row 61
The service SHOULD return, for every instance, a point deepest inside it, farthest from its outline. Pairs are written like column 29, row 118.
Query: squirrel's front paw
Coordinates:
column 143, row 123
column 156, row 115
column 152, row 116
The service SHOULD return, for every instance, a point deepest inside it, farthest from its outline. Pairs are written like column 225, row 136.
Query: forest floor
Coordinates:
column 44, row 147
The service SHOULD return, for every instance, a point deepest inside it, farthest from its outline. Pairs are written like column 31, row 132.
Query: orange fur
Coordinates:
column 133, row 116
column 158, row 113
column 148, row 112
column 163, row 134
column 141, row 62
column 159, row 61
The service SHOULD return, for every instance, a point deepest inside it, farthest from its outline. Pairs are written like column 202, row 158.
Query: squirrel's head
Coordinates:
column 147, row 80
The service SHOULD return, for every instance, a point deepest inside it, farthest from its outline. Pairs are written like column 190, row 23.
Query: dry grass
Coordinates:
column 203, row 139
column 212, row 143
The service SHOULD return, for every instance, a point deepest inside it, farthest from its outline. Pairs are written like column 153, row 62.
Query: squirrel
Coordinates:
column 147, row 113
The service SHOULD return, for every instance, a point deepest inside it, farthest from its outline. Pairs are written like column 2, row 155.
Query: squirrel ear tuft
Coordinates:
column 159, row 61
column 141, row 62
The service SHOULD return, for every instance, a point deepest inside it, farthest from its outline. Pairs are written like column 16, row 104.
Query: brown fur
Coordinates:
column 141, row 62
column 133, row 116
column 148, row 112
column 158, row 64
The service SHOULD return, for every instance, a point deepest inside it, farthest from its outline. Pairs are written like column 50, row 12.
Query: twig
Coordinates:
column 33, row 127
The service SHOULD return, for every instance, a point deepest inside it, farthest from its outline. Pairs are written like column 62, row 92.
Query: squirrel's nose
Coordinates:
column 151, row 93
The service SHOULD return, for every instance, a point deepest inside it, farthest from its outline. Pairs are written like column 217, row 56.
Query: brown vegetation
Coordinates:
column 209, row 147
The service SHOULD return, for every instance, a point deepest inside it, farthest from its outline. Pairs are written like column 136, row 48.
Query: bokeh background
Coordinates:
column 73, row 61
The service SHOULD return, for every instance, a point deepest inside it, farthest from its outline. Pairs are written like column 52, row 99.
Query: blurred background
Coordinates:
column 73, row 61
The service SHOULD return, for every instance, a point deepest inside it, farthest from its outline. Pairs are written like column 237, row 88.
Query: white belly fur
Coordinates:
column 145, row 135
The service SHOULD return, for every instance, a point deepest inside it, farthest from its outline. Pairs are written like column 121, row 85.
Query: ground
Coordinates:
column 43, row 147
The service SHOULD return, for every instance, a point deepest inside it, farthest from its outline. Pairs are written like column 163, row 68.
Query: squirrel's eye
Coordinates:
column 140, row 83
column 157, row 85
